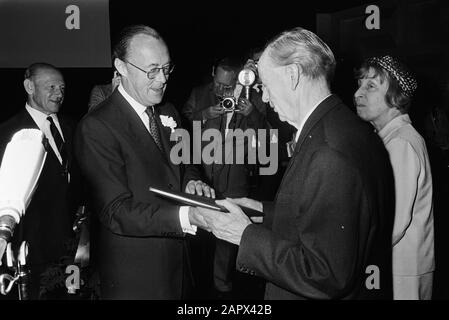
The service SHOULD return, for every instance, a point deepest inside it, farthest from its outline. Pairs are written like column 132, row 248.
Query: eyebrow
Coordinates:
column 369, row 78
column 156, row 65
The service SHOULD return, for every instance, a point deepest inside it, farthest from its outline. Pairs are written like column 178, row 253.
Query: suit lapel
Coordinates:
column 27, row 120
column 165, row 133
column 324, row 107
column 137, row 131
column 317, row 115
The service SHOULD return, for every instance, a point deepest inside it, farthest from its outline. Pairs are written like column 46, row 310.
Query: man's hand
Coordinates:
column 200, row 188
column 251, row 64
column 228, row 226
column 247, row 202
column 244, row 106
column 213, row 112
column 250, row 203
column 195, row 218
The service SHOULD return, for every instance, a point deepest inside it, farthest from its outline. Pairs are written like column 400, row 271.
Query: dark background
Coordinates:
column 199, row 33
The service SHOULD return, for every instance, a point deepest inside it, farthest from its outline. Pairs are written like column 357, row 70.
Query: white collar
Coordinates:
column 39, row 117
column 301, row 126
column 138, row 107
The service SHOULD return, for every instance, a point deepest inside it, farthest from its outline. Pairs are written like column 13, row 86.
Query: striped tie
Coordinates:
column 60, row 145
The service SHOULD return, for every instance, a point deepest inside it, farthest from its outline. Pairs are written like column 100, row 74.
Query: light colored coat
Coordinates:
column 413, row 231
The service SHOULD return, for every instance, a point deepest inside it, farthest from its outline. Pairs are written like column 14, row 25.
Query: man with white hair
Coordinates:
column 327, row 235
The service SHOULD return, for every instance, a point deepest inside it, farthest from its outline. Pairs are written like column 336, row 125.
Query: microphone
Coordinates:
column 21, row 166
column 7, row 225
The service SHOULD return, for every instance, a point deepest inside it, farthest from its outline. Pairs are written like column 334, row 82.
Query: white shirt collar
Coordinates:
column 301, row 126
column 43, row 124
column 138, row 107
column 41, row 118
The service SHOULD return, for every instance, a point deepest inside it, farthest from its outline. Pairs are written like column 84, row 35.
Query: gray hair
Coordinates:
column 37, row 67
column 304, row 48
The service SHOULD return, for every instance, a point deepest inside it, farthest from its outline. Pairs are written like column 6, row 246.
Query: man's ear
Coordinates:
column 293, row 72
column 120, row 67
column 213, row 71
column 28, row 85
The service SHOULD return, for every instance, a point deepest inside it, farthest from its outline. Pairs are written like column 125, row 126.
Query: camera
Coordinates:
column 229, row 104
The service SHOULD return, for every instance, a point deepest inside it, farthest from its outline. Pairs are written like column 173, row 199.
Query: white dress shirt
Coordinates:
column 140, row 110
column 44, row 125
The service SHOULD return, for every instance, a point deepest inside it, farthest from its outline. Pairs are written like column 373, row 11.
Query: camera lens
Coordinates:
column 228, row 103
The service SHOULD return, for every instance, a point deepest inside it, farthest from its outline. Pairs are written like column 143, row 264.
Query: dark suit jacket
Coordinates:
column 332, row 216
column 47, row 224
column 140, row 247
column 229, row 180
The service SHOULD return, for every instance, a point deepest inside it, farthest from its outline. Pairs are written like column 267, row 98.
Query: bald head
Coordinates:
column 35, row 68
column 45, row 87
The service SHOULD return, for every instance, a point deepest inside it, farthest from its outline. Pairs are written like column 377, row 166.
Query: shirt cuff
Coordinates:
column 185, row 222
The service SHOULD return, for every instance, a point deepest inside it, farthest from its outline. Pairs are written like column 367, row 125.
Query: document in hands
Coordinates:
column 200, row 201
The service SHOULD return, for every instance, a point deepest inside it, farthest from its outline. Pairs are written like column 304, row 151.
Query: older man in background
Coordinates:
column 47, row 225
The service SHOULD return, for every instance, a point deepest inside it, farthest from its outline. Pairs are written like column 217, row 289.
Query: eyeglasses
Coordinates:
column 152, row 73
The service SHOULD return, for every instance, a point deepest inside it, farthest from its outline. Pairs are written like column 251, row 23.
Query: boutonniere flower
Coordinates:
column 168, row 122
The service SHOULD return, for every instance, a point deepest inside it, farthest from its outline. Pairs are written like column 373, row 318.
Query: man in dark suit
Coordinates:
column 228, row 179
column 47, row 223
column 327, row 235
column 123, row 147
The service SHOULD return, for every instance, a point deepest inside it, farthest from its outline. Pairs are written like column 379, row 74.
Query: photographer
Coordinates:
column 222, row 105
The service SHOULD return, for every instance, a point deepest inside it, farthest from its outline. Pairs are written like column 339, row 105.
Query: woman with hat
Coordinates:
column 383, row 98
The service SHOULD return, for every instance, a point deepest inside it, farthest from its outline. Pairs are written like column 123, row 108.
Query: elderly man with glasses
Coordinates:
column 123, row 148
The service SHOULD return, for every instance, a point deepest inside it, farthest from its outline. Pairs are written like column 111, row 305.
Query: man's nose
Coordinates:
column 59, row 92
column 161, row 77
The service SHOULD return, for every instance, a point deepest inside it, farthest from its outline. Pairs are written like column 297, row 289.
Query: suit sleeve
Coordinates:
column 406, row 168
column 319, row 261
column 104, row 167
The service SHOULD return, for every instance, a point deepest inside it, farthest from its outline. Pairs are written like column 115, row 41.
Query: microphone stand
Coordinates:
column 22, row 282
column 20, row 273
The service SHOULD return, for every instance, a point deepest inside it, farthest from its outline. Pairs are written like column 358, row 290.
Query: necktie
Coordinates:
column 60, row 145
column 154, row 131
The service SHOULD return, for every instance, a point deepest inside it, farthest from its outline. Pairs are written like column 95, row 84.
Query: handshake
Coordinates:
column 227, row 226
